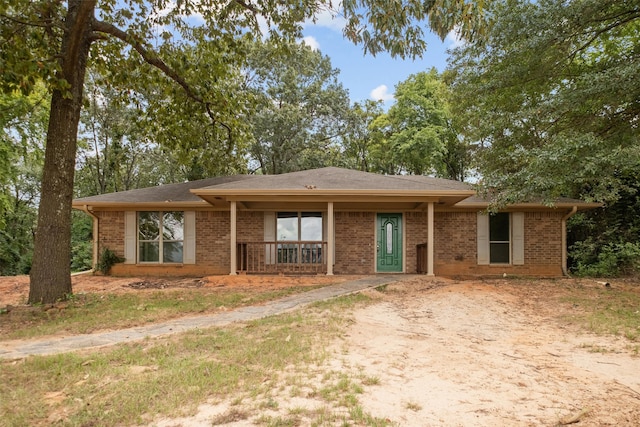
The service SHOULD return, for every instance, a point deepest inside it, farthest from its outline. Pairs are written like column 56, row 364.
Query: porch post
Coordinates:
column 233, row 238
column 330, row 239
column 430, row 239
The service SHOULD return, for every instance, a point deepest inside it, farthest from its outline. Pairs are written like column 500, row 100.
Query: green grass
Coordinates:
column 132, row 384
column 87, row 313
column 606, row 311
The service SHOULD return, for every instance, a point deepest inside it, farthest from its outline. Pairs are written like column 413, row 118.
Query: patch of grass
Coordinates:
column 369, row 380
column 280, row 421
column 131, row 384
column 592, row 348
column 232, row 415
column 412, row 406
column 87, row 313
column 606, row 311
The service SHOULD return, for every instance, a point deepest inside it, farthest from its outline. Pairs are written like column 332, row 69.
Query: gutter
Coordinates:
column 96, row 222
column 572, row 212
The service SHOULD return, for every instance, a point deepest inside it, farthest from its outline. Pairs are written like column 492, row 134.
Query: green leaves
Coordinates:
column 300, row 108
column 550, row 98
column 398, row 26
column 419, row 129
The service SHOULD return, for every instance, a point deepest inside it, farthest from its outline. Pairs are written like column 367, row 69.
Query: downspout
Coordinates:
column 564, row 239
column 96, row 222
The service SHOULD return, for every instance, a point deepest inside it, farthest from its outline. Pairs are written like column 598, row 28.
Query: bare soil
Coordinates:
column 14, row 290
column 454, row 353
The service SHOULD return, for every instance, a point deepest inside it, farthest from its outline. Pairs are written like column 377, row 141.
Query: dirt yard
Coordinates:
column 459, row 353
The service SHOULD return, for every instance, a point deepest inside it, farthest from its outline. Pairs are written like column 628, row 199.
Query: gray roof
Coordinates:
column 161, row 193
column 332, row 178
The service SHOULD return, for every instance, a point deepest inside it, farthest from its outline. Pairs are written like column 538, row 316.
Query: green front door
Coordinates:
column 389, row 244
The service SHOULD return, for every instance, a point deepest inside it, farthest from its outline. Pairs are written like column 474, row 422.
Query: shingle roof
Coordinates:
column 333, row 178
column 330, row 178
column 162, row 193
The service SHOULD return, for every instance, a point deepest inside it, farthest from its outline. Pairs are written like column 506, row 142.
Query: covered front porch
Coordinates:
column 355, row 244
column 326, row 239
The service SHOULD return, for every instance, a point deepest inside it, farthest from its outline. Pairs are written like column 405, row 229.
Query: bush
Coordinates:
column 610, row 260
column 107, row 259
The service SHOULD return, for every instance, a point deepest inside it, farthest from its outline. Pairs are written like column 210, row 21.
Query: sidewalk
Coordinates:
column 48, row 346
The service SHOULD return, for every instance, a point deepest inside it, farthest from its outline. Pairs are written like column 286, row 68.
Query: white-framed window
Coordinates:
column 160, row 237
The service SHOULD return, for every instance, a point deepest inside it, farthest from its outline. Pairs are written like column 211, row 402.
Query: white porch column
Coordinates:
column 430, row 239
column 233, row 237
column 330, row 239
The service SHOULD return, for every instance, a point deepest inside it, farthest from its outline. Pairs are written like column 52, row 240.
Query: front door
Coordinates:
column 389, row 242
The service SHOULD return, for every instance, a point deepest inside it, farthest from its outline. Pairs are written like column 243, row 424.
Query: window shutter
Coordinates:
column 130, row 231
column 483, row 238
column 189, row 251
column 517, row 238
column 270, row 236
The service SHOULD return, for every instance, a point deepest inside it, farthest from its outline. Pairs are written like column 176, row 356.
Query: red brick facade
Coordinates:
column 355, row 242
column 456, row 247
column 455, row 241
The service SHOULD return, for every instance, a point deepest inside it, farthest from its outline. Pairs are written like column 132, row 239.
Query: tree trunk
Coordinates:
column 51, row 269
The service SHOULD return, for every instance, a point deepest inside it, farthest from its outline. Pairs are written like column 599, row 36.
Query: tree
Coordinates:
column 117, row 149
column 552, row 99
column 52, row 41
column 300, row 107
column 419, row 129
column 23, row 121
column 359, row 140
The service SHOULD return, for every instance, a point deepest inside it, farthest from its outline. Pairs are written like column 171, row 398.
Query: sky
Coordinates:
column 366, row 76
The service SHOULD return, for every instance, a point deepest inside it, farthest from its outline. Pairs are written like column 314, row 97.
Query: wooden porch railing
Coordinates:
column 282, row 257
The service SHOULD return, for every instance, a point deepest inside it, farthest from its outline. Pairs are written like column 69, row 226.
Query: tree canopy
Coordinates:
column 300, row 107
column 418, row 130
column 551, row 98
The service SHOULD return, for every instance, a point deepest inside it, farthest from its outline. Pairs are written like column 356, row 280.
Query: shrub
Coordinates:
column 612, row 259
column 107, row 260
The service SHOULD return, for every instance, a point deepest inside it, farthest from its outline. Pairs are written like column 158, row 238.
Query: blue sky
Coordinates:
column 366, row 76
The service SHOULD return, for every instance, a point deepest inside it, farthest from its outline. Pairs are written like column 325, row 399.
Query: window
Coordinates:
column 303, row 230
column 499, row 238
column 160, row 237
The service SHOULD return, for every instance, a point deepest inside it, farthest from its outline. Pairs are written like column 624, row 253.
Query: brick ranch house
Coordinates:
column 326, row 221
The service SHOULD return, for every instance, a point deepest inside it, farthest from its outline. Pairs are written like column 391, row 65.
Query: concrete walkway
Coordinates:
column 47, row 346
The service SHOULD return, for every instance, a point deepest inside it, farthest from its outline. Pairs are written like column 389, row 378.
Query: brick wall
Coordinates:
column 250, row 227
column 355, row 242
column 111, row 232
column 543, row 238
column 454, row 235
column 213, row 239
column 456, row 246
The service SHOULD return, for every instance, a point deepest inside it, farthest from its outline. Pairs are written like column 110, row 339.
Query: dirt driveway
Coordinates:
column 469, row 353
column 489, row 354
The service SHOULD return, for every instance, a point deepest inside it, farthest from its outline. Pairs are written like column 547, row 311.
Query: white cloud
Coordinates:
column 381, row 93
column 454, row 40
column 329, row 18
column 311, row 42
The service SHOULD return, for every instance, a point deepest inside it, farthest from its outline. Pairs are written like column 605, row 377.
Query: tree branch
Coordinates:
column 247, row 6
column 151, row 58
